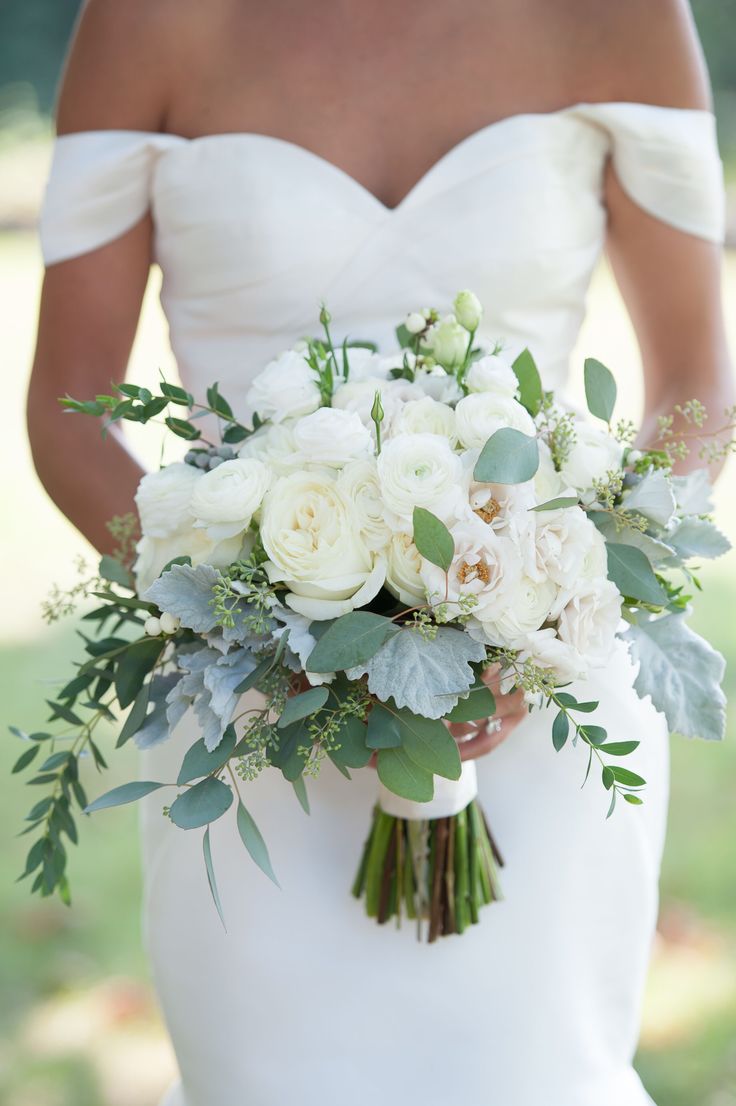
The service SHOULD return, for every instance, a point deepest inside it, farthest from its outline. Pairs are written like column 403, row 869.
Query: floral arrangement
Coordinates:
column 331, row 581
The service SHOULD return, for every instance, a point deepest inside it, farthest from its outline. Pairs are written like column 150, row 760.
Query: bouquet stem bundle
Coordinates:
column 439, row 870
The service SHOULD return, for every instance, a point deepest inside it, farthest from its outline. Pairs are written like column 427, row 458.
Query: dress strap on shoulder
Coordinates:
column 667, row 160
column 99, row 187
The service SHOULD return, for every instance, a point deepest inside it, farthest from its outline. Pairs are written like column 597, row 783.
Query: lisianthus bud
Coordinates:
column 448, row 341
column 325, row 317
column 415, row 322
column 468, row 310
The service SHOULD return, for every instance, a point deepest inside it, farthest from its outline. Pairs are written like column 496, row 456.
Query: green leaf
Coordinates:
column 569, row 701
column 183, row 429
column 126, row 793
column 300, row 790
column 608, row 777
column 429, row 743
column 351, row 748
column 114, row 570
column 596, row 735
column 253, row 677
column 400, row 774
column 635, row 800
column 530, row 383
column 234, row 434
column 205, row 802
column 251, row 837
column 508, row 457
column 600, row 389
column 384, row 729
column 136, row 716
column 479, row 703
column 61, row 710
column 560, row 730
column 633, row 575
column 432, row 539
column 349, row 641
column 207, row 851
column 556, row 504
column 619, row 748
column 630, row 779
column 403, row 336
column 199, row 761
column 25, row 758
column 133, row 667
column 292, row 752
column 302, row 705
column 177, row 395
column 218, row 403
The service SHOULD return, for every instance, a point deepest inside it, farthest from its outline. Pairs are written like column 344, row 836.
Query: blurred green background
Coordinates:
column 78, row 1024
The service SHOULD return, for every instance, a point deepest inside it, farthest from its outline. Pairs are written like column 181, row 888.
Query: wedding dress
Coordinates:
column 304, row 1000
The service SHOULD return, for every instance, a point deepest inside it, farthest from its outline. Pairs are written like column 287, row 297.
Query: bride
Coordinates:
column 378, row 156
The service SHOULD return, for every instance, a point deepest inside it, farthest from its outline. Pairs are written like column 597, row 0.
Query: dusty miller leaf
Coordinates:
column 652, row 497
column 186, row 593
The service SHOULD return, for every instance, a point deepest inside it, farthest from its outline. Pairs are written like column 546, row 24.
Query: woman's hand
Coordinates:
column 475, row 739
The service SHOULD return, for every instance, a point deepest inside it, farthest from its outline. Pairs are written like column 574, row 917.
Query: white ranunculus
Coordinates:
column 447, row 341
column 363, row 364
column 310, row 532
column 468, row 309
column 331, row 436
column 403, row 570
column 482, row 414
column 589, row 622
column 484, row 570
column 286, row 388
column 163, row 499
column 594, row 453
column 548, row 483
column 155, row 553
column 426, row 416
column 359, row 395
column 274, row 445
column 227, row 497
column 527, row 609
column 545, row 649
column 492, row 374
column 359, row 482
column 419, row 470
column 438, row 384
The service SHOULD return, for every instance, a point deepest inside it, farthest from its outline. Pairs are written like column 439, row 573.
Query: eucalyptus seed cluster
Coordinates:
column 209, row 457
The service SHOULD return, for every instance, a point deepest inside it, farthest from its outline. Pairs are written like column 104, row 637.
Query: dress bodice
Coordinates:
column 252, row 232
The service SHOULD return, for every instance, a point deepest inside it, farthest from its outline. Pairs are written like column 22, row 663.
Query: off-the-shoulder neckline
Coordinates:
column 574, row 111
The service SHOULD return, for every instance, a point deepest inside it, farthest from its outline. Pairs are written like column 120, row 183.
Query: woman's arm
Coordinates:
column 115, row 78
column 670, row 280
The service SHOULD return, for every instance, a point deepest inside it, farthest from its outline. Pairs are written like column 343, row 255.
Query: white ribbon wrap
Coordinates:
column 450, row 797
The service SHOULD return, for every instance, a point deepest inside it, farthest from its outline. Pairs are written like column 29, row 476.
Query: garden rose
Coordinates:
column 286, row 388
column 478, row 416
column 163, row 499
column 331, row 437
column 492, row 374
column 226, row 498
column 593, row 454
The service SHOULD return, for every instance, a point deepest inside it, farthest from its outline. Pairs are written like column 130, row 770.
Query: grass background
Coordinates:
column 78, row 1023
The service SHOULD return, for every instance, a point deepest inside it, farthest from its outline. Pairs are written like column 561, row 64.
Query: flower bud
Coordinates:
column 448, row 341
column 169, row 623
column 325, row 317
column 468, row 310
column 152, row 626
column 633, row 456
column 415, row 322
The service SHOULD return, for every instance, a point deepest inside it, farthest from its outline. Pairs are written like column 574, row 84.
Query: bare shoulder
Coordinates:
column 646, row 52
column 122, row 66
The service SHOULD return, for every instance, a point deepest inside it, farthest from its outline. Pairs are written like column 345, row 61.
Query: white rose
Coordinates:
column 419, row 470
column 426, row 416
column 359, row 482
column 331, row 436
column 528, row 605
column 589, row 623
column 155, row 553
column 447, row 341
column 468, row 310
column 311, row 535
column 227, row 497
column 163, row 499
column 482, row 414
column 358, row 396
column 492, row 374
column 484, row 572
column 403, row 571
column 274, row 445
column 593, row 454
column 286, row 388
column 545, row 649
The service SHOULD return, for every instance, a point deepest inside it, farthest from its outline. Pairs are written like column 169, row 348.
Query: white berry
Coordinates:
column 169, row 623
column 152, row 626
column 415, row 323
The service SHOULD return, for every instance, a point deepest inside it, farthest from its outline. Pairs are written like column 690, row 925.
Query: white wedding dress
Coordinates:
column 304, row 1000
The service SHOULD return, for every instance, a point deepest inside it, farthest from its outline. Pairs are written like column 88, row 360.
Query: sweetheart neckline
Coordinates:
column 449, row 155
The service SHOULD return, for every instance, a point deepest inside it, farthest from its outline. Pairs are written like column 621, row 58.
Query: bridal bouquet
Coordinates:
column 331, row 581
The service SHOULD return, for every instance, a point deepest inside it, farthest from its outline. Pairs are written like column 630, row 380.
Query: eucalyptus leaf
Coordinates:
column 302, row 705
column 133, row 667
column 201, row 804
column 600, row 389
column 508, row 457
column 350, row 640
column 619, row 748
column 633, row 575
column 560, row 730
column 557, row 504
column 479, row 703
column 115, row 571
column 384, row 729
column 126, row 793
column 251, row 837
column 530, row 382
column 210, row 869
column 682, row 673
column 300, row 790
column 432, row 539
column 430, row 744
column 199, row 761
column 400, row 774
column 351, row 748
